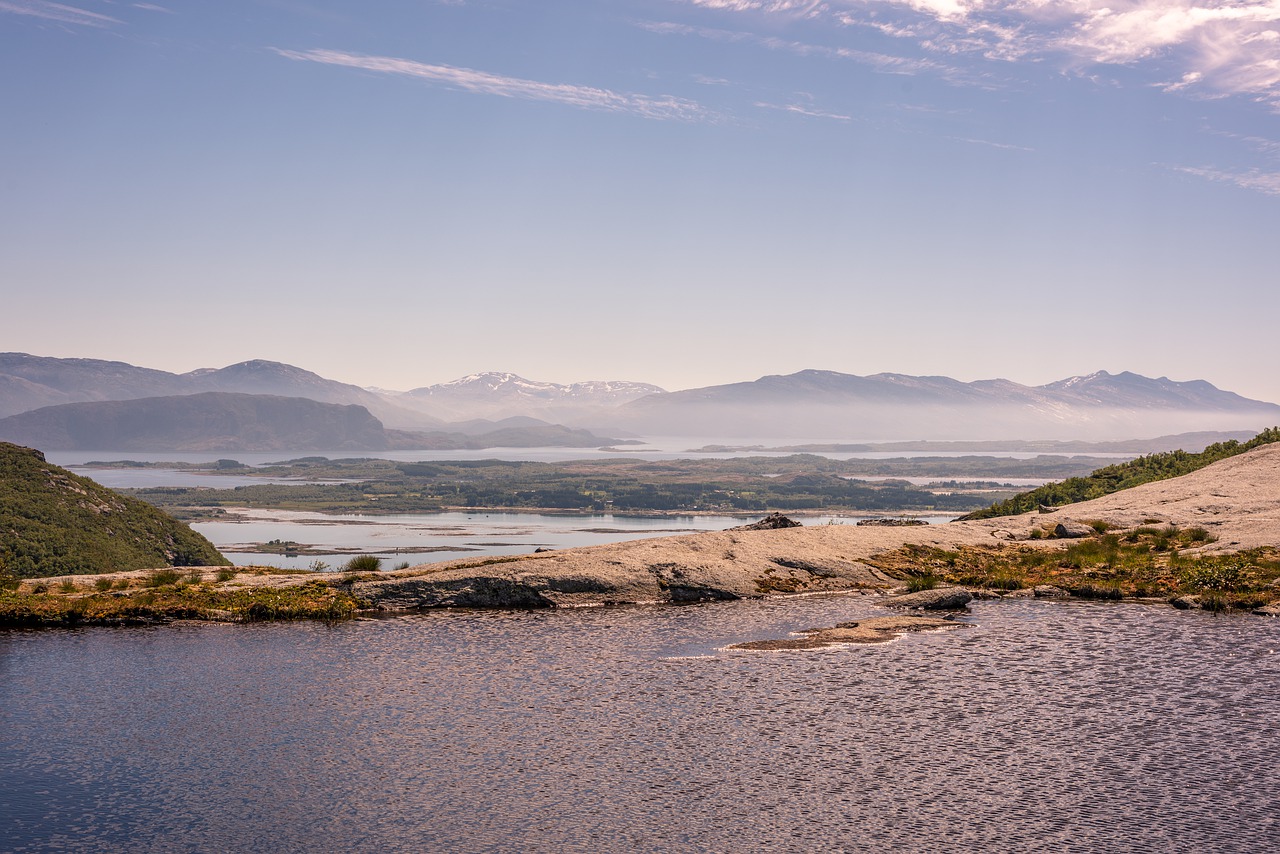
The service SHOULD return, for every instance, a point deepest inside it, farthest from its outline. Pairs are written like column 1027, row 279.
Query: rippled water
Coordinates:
column 1064, row 727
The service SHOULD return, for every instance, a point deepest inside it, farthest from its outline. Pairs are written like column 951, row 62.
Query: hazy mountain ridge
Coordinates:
column 808, row 405
column 827, row 403
column 229, row 421
column 31, row 382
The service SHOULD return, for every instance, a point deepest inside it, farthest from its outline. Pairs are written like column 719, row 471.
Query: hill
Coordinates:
column 1105, row 481
column 53, row 522
column 212, row 421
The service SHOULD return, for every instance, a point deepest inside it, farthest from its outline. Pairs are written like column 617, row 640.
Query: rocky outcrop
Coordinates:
column 937, row 599
column 772, row 522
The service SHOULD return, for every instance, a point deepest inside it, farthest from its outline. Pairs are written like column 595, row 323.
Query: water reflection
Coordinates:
column 1077, row 727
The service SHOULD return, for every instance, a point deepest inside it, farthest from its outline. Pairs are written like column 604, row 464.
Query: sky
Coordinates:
column 685, row 192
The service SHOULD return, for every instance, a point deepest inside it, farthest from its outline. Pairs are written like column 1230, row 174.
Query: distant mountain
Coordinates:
column 895, row 406
column 228, row 421
column 58, row 523
column 502, row 395
column 30, row 382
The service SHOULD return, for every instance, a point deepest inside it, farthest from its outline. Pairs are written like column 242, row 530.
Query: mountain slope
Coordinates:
column 53, row 522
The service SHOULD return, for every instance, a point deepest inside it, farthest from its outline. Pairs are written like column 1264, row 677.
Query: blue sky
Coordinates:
column 684, row 192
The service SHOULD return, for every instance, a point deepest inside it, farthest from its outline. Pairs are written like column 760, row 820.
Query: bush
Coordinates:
column 363, row 563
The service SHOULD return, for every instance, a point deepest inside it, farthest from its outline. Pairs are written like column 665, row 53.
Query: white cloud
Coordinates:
column 471, row 80
column 804, row 111
column 881, row 61
column 804, row 8
column 1252, row 179
column 1210, row 46
column 56, row 12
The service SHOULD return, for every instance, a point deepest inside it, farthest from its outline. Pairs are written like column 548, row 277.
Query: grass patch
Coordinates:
column 161, row 578
column 1146, row 562
column 225, row 574
column 363, row 563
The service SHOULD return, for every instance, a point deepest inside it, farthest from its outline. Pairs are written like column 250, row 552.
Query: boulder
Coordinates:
column 1186, row 603
column 937, row 599
column 1272, row 610
column 1068, row 530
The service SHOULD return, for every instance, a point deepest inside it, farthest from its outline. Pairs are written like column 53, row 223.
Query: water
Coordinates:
column 428, row 537
column 656, row 448
column 1063, row 727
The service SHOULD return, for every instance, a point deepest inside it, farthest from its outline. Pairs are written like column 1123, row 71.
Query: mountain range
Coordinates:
column 808, row 405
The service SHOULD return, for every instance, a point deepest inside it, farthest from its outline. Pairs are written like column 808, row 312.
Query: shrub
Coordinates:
column 363, row 563
column 161, row 578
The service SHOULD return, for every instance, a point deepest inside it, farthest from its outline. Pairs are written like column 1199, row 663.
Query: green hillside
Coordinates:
column 1111, row 479
column 53, row 522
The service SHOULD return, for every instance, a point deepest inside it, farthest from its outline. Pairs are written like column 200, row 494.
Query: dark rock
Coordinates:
column 772, row 522
column 1048, row 591
column 1272, row 610
column 1186, row 603
column 938, row 599
column 1068, row 530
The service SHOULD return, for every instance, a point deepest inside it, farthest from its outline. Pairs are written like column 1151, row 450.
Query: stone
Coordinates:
column 1272, row 610
column 1068, row 530
column 1049, row 591
column 937, row 599
column 1186, row 603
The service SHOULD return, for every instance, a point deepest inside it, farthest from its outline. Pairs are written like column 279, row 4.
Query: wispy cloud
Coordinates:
column 884, row 62
column 1229, row 47
column 804, row 111
column 1003, row 145
column 471, row 80
column 1252, row 179
column 56, row 12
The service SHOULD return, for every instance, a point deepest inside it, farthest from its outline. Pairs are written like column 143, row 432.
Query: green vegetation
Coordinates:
column 1144, row 562
column 1114, row 478
column 53, row 522
column 317, row 600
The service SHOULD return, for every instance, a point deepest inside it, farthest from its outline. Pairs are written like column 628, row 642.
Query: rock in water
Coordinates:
column 938, row 599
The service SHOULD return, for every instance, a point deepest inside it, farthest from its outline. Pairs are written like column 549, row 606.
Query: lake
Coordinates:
column 1043, row 726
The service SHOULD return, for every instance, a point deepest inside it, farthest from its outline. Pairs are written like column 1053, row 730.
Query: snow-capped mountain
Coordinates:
column 501, row 395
